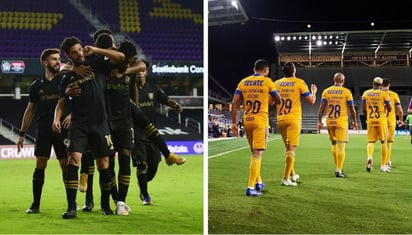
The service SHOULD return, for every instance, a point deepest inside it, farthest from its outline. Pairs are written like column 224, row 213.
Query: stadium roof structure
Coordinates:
column 344, row 42
column 225, row 12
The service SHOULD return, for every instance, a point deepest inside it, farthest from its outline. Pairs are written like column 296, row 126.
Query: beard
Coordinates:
column 54, row 69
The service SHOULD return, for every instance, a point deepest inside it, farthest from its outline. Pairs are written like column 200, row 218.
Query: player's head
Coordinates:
column 289, row 69
column 104, row 41
column 262, row 67
column 130, row 51
column 50, row 59
column 73, row 49
column 142, row 75
column 377, row 82
column 101, row 31
column 339, row 79
column 386, row 83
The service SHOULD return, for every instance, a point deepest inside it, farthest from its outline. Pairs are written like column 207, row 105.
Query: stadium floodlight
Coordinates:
column 235, row 5
column 277, row 38
column 319, row 43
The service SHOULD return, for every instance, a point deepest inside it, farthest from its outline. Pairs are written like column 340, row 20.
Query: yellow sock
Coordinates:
column 335, row 157
column 254, row 171
column 340, row 155
column 384, row 154
column 369, row 148
column 290, row 160
column 389, row 147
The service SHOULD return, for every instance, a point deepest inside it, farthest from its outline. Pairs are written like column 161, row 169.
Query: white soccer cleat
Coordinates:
column 122, row 208
column 288, row 182
column 385, row 169
column 294, row 178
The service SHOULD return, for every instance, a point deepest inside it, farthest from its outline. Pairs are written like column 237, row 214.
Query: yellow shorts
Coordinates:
column 377, row 133
column 257, row 135
column 391, row 133
column 338, row 133
column 290, row 131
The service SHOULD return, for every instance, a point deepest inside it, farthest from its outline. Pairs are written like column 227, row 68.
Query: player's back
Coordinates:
column 291, row 89
column 375, row 99
column 394, row 100
column 255, row 91
column 337, row 98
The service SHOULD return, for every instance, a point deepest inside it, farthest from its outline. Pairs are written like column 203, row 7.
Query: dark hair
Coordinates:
column 104, row 41
column 385, row 82
column 288, row 69
column 146, row 62
column 261, row 64
column 68, row 43
column 128, row 48
column 101, row 31
column 48, row 51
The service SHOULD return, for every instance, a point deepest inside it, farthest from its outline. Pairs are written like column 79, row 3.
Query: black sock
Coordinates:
column 124, row 176
column 141, row 173
column 71, row 183
column 106, row 179
column 153, row 134
column 37, row 183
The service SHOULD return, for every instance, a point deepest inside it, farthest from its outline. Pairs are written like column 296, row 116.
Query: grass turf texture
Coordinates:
column 177, row 196
column 362, row 202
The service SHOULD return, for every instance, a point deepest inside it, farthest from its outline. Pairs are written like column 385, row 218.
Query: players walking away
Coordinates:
column 375, row 104
column 43, row 96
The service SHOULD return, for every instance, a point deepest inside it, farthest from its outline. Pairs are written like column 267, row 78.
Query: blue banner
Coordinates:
column 185, row 147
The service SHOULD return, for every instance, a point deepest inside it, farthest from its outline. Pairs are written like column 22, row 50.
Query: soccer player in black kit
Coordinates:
column 146, row 154
column 89, row 123
column 43, row 96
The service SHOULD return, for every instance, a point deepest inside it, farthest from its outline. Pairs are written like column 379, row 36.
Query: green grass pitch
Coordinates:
column 362, row 202
column 177, row 196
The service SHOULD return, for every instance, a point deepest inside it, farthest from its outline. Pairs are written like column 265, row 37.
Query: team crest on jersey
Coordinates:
column 127, row 79
column 151, row 95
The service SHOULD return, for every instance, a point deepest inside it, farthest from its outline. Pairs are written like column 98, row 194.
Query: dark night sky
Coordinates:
column 233, row 48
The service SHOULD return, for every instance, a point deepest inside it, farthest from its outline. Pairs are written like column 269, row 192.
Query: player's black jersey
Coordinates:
column 89, row 106
column 45, row 94
column 118, row 97
column 149, row 96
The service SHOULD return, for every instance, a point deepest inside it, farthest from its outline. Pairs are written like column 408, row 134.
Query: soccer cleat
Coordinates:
column 369, row 165
column 259, row 186
column 106, row 211
column 147, row 201
column 288, row 182
column 294, row 178
column 122, row 208
column 69, row 214
column 252, row 192
column 88, row 206
column 83, row 182
column 33, row 210
column 339, row 175
column 173, row 159
column 384, row 169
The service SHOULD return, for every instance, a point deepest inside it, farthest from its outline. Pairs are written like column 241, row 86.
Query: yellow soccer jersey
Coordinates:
column 291, row 89
column 375, row 100
column 255, row 91
column 395, row 101
column 337, row 98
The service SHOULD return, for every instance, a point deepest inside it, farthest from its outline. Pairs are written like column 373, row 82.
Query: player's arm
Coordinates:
column 114, row 55
column 25, row 124
column 275, row 98
column 136, row 67
column 353, row 116
column 320, row 114
column 400, row 114
column 174, row 105
column 235, row 104
column 81, row 70
column 311, row 99
column 58, row 113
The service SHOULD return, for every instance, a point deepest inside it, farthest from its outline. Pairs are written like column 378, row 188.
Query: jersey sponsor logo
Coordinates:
column 250, row 118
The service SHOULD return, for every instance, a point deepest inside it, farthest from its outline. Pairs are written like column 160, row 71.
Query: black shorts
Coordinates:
column 97, row 137
column 45, row 141
column 122, row 134
column 146, row 151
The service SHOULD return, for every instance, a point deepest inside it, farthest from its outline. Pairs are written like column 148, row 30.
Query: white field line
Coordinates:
column 234, row 150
